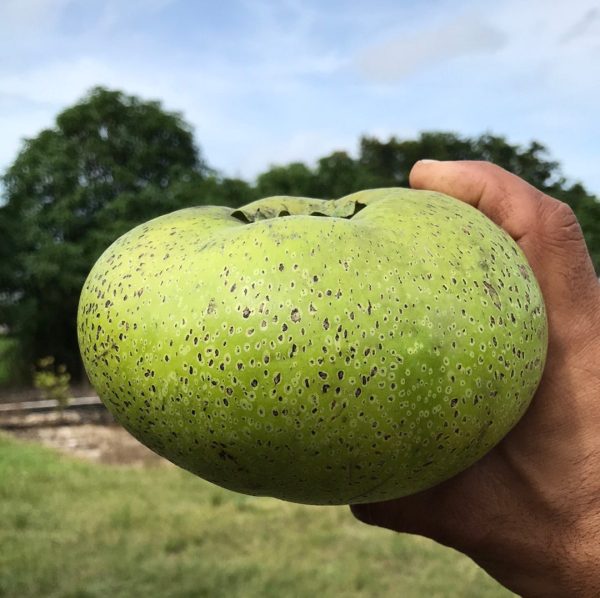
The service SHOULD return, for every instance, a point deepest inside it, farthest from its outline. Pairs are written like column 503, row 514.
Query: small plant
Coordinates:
column 53, row 380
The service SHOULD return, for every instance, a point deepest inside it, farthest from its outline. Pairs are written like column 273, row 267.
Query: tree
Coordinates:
column 388, row 164
column 111, row 162
column 338, row 174
column 217, row 190
column 294, row 179
column 587, row 209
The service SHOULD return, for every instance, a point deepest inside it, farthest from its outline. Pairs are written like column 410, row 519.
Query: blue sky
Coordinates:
column 265, row 82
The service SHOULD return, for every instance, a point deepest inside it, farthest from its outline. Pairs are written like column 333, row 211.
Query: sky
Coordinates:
column 269, row 82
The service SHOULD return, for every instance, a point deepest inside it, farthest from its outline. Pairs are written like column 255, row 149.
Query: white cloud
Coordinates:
column 114, row 12
column 277, row 81
column 26, row 16
column 406, row 54
column 59, row 82
column 48, row 89
column 587, row 25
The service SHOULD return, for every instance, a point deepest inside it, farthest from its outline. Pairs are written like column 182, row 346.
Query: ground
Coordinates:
column 118, row 521
column 84, row 434
column 99, row 443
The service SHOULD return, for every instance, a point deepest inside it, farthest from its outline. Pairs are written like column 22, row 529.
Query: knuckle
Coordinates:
column 489, row 169
column 559, row 221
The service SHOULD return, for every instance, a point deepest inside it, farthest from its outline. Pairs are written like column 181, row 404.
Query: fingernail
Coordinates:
column 427, row 160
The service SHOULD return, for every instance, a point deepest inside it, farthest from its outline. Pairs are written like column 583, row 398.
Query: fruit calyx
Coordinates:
column 280, row 206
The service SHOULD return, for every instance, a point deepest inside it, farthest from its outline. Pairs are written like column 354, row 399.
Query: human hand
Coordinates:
column 529, row 511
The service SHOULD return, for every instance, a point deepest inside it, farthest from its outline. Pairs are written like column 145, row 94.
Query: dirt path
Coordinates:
column 109, row 444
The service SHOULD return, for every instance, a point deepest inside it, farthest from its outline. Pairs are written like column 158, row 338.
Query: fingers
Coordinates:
column 430, row 513
column 545, row 228
column 406, row 515
column 459, row 512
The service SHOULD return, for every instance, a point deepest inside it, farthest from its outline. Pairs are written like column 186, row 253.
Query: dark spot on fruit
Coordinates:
column 523, row 271
column 493, row 293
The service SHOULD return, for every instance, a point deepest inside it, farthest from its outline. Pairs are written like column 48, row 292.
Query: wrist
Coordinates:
column 564, row 559
column 581, row 567
column 544, row 553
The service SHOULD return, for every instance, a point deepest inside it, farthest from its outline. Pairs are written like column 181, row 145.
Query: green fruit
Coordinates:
column 322, row 352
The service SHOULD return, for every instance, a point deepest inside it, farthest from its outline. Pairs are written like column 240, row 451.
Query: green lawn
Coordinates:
column 77, row 530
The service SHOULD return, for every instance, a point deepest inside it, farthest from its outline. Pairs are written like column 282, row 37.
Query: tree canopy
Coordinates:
column 110, row 162
column 388, row 163
column 113, row 161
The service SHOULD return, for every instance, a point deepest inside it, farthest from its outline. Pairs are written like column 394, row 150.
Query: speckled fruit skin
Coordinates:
column 322, row 352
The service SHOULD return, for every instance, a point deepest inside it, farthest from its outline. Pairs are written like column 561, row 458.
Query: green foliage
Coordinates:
column 71, row 528
column 388, row 164
column 222, row 191
column 113, row 161
column 53, row 381
column 338, row 175
column 294, row 179
column 7, row 358
column 587, row 209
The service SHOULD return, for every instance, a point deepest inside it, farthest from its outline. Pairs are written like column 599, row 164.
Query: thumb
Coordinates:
column 546, row 229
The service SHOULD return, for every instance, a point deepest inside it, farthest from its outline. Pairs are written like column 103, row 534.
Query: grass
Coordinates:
column 72, row 529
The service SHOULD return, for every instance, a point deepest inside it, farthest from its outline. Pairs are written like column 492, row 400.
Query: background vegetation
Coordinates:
column 113, row 161
column 7, row 349
column 76, row 530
